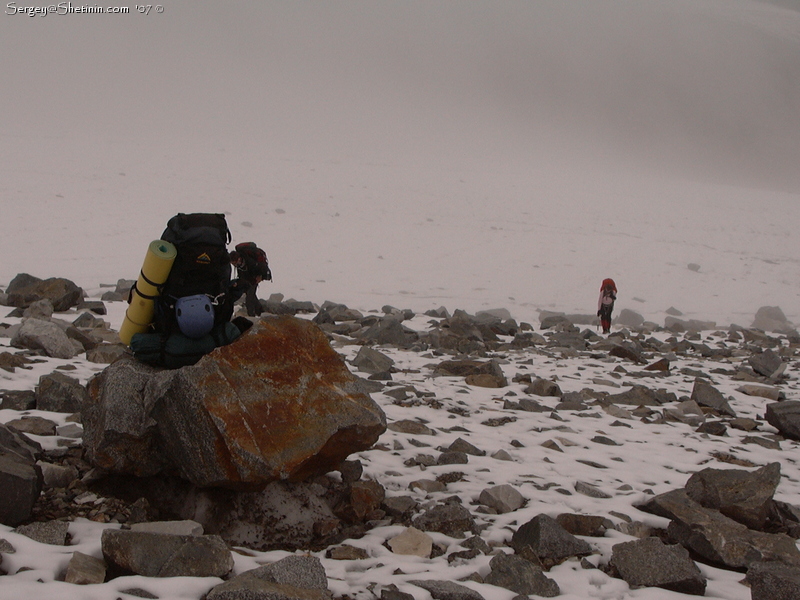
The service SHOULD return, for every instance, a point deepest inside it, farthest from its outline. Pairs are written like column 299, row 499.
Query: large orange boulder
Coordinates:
column 277, row 404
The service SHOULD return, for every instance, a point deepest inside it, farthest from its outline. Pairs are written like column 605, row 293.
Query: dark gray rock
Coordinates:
column 716, row 538
column 766, row 363
column 651, row 563
column 18, row 399
column 744, row 496
column 638, row 395
column 543, row 387
column 785, row 417
column 462, row 445
column 58, row 392
column 450, row 519
column 587, row 525
column 164, row 555
column 20, row 476
column 548, row 540
column 25, row 289
column 773, row 581
column 391, row 331
column 707, row 395
column 629, row 318
column 372, row 361
column 446, row 590
column 521, row 576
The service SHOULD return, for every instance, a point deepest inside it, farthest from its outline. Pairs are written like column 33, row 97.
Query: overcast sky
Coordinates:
column 709, row 87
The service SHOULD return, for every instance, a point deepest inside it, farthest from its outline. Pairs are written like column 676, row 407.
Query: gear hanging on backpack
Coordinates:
column 202, row 267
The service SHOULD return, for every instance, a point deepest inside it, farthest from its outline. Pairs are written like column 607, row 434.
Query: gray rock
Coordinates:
column 521, row 576
column 85, row 570
column 33, row 426
column 462, row 445
column 58, row 392
column 20, row 476
column 106, row 354
column 46, row 532
column 389, row 330
column 450, row 519
column 503, row 498
column 543, row 387
column 36, row 334
column 766, row 363
column 548, row 540
column 785, row 417
column 773, row 581
column 716, row 538
column 446, row 590
column 292, row 578
column 371, row 361
column 761, row 391
column 411, row 427
column 629, row 318
column 164, row 555
column 638, row 395
column 185, row 527
column 25, row 289
column 587, row 525
column 40, row 309
column 771, row 318
column 651, row 563
column 743, row 496
column 707, row 395
column 57, row 476
column 18, row 400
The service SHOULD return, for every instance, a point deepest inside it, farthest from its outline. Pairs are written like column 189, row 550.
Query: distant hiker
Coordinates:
column 605, row 304
column 252, row 267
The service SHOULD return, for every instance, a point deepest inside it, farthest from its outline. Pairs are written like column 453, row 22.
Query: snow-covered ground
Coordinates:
column 420, row 154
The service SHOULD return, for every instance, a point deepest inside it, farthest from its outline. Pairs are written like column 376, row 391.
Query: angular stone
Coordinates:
column 514, row 573
column 371, row 361
column 446, row 590
column 707, row 395
column 651, row 563
column 543, row 387
column 411, row 427
column 20, row 476
column 36, row 334
column 766, row 363
column 412, row 542
column 761, row 391
column 279, row 403
column 449, row 519
column 503, row 498
column 25, row 289
column 291, row 578
column 164, row 555
column 185, row 527
column 85, row 570
column 586, row 525
column 57, row 392
column 744, row 496
column 462, row 445
column 548, row 540
column 717, row 538
column 785, row 417
column 773, row 581
column 46, row 532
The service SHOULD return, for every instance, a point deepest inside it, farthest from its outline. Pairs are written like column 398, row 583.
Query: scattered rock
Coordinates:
column 514, row 573
column 651, row 563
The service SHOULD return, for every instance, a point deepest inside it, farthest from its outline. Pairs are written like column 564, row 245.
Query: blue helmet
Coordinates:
column 195, row 315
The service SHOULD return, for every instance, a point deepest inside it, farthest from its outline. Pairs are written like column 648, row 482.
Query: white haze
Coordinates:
column 419, row 153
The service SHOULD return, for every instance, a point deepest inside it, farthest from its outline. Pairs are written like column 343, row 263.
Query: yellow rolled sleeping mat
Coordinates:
column 155, row 270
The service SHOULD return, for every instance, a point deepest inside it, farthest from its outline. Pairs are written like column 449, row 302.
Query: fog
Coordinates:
column 711, row 88
column 395, row 113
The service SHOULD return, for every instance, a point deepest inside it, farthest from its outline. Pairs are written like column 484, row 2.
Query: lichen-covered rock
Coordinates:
column 277, row 404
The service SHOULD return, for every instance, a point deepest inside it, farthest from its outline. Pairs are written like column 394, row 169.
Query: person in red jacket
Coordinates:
column 605, row 303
